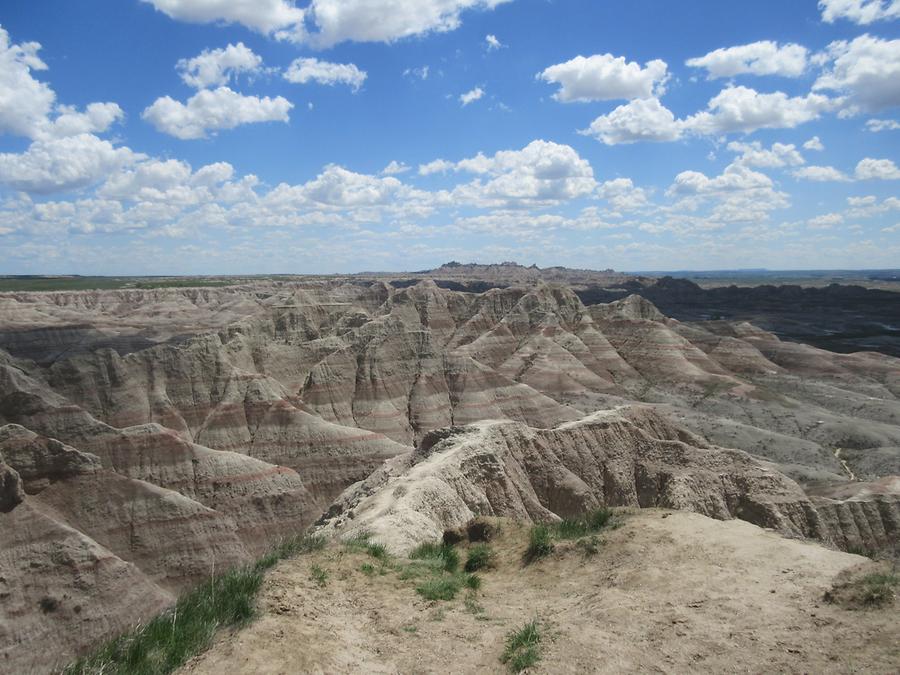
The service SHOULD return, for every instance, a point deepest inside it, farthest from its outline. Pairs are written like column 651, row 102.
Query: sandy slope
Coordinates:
column 668, row 592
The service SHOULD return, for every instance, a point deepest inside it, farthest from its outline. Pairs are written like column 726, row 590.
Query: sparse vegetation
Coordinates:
column 319, row 575
column 540, row 543
column 363, row 543
column 575, row 528
column 480, row 556
column 590, row 546
column 878, row 589
column 522, row 647
column 167, row 641
column 440, row 588
column 368, row 569
column 437, row 551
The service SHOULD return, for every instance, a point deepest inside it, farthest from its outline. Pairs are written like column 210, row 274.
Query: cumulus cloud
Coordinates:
column 306, row 70
column 622, row 195
column 859, row 11
column 213, row 110
column 492, row 42
column 876, row 125
column 777, row 156
column 96, row 118
column 639, row 120
column 825, row 221
column 814, row 143
column 741, row 109
column 471, row 96
column 386, row 20
column 24, row 101
column 758, row 58
column 604, row 77
column 217, row 67
column 57, row 164
column 394, row 168
column 264, row 16
column 821, row 174
column 541, row 173
column 877, row 169
column 867, row 70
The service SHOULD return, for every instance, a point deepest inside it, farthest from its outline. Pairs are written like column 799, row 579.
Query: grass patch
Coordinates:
column 590, row 546
column 363, row 544
column 576, row 528
column 440, row 588
column 522, row 647
column 481, row 556
column 368, row 569
column 319, row 575
column 165, row 642
column 540, row 543
column 445, row 553
column 878, row 589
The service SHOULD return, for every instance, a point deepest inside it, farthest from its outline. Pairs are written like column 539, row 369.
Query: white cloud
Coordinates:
column 96, row 118
column 877, row 169
column 264, row 16
column 604, row 77
column 754, row 154
column 492, row 42
column 436, row 166
column 814, row 143
column 859, row 11
column 471, row 96
column 734, row 178
column 213, row 110
column 892, row 228
column 821, row 174
column 639, row 120
column 214, row 68
column 302, row 71
column 759, row 58
column 867, row 69
column 541, row 173
column 882, row 125
column 385, row 20
column 622, row 195
column 395, row 168
column 24, row 101
column 825, row 221
column 56, row 164
column 741, row 109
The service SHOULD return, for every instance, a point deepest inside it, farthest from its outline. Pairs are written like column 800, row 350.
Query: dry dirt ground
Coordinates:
column 667, row 592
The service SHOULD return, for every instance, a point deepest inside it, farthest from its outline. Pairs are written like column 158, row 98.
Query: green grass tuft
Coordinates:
column 437, row 551
column 540, row 543
column 575, row 528
column 165, row 642
column 481, row 556
column 319, row 575
column 522, row 647
column 878, row 589
column 472, row 581
column 440, row 588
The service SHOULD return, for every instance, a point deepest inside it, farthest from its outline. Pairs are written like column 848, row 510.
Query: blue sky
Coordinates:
column 268, row 136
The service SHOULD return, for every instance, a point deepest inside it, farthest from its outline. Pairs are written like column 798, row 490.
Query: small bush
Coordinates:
column 440, row 588
column 480, row 530
column 473, row 582
column 319, row 575
column 540, row 543
column 437, row 551
column 522, row 647
column 878, row 590
column 481, row 556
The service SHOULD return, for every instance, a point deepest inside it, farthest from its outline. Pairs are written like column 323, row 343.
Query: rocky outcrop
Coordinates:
column 623, row 457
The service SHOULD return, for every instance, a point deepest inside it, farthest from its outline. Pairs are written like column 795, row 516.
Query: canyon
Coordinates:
column 152, row 437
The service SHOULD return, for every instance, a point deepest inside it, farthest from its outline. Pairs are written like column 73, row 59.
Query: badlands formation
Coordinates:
column 150, row 438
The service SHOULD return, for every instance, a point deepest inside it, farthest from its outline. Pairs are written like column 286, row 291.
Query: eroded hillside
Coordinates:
column 149, row 438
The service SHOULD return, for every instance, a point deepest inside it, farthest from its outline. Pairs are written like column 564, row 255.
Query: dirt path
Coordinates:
column 666, row 593
column 837, row 456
